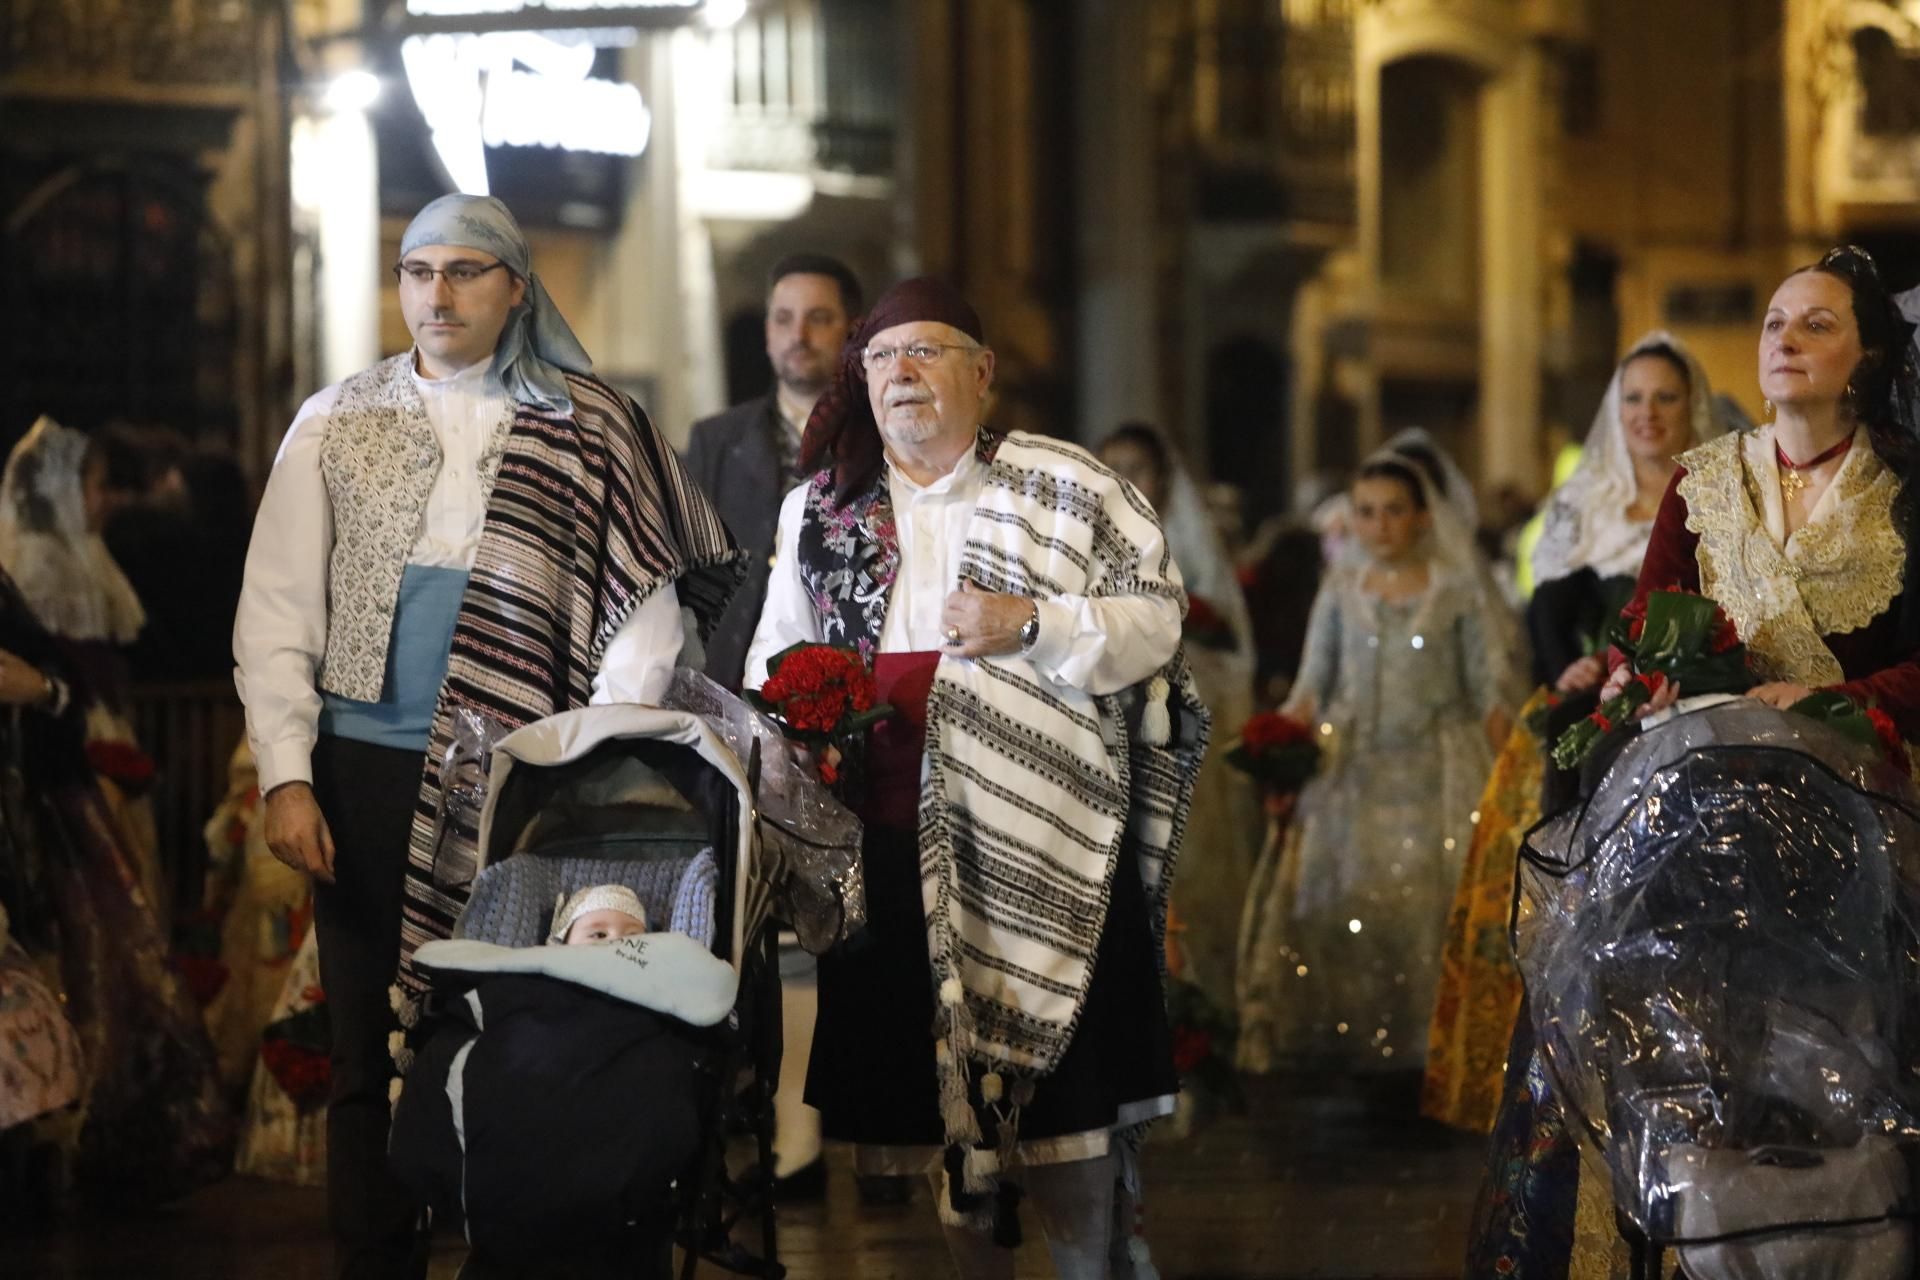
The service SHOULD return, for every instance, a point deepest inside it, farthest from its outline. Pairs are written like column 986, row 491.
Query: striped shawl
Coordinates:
column 590, row 514
column 1033, row 786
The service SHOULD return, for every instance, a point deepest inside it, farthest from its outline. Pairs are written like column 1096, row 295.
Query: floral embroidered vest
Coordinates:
column 379, row 460
column 850, row 556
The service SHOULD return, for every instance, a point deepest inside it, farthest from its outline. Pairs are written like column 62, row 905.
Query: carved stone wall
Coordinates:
column 127, row 44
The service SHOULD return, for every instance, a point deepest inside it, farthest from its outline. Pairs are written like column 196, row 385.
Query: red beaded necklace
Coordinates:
column 1791, row 481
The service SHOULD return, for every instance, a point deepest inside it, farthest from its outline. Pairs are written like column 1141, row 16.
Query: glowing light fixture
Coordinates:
column 519, row 89
column 352, row 91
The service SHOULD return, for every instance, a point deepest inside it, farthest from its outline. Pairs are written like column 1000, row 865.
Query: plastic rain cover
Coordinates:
column 1722, row 964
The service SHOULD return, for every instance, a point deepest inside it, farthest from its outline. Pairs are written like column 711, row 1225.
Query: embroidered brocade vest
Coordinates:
column 850, row 556
column 379, row 460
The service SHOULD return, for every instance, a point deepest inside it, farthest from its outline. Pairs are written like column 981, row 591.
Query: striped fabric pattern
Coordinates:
column 590, row 514
column 1034, row 787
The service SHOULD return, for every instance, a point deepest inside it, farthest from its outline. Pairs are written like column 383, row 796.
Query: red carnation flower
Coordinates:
column 1270, row 729
column 1191, row 1047
column 1889, row 734
column 302, row 1074
column 121, row 763
column 1636, row 614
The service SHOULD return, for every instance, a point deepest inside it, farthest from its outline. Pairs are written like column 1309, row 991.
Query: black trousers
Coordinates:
column 367, row 794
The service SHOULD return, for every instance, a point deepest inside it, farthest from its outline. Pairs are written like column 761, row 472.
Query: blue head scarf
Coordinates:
column 536, row 348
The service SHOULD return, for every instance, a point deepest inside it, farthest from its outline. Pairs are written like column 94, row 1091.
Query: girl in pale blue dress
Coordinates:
column 1409, row 674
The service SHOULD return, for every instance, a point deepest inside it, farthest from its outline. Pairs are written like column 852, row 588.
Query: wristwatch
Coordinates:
column 1030, row 629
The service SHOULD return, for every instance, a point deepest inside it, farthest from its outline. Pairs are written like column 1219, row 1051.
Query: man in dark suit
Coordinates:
column 746, row 458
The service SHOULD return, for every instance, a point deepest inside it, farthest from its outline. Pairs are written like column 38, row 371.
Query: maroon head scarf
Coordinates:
column 841, row 431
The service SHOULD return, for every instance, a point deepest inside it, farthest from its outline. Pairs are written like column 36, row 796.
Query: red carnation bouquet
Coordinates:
column 295, row 1051
column 1678, row 636
column 822, row 695
column 1276, row 751
column 121, row 763
column 1867, row 725
column 1204, row 1035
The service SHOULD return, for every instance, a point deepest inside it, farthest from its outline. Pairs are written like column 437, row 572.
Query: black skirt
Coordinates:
column 872, row 1070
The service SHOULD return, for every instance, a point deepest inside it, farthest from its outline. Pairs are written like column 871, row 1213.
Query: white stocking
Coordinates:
column 1074, row 1203
column 796, row 1126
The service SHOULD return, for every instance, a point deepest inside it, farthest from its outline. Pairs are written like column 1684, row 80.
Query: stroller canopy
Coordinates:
column 625, row 769
column 1720, row 953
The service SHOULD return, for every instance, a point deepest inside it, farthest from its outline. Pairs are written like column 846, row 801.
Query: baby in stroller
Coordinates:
column 555, row 1097
column 603, row 913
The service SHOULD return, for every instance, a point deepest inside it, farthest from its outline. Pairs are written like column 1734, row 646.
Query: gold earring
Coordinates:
column 1769, row 405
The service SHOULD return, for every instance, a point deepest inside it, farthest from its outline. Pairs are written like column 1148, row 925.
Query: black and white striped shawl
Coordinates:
column 1033, row 786
column 591, row 513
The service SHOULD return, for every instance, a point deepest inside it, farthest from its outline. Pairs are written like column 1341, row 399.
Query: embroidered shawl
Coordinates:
column 589, row 515
column 1838, row 572
column 1033, row 785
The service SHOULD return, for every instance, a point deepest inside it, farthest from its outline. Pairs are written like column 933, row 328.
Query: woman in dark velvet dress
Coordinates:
column 151, row 1124
column 1800, row 531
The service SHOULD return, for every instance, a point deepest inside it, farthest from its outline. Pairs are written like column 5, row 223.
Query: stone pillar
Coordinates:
column 1117, row 364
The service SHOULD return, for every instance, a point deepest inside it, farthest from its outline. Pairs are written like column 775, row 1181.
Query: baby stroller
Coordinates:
column 573, row 1102
column 1721, row 950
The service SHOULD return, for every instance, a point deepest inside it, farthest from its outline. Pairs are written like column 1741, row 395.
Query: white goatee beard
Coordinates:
column 918, row 431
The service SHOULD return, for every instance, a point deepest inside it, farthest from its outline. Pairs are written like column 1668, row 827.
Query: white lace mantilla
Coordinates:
column 1835, row 574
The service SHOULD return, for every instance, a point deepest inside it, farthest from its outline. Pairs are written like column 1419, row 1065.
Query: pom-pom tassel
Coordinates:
column 992, row 1088
column 950, row 1216
column 962, row 1124
column 960, row 1206
column 979, row 1169
column 952, row 993
column 1156, row 721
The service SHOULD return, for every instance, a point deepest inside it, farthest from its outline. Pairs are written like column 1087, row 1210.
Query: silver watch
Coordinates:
column 1030, row 630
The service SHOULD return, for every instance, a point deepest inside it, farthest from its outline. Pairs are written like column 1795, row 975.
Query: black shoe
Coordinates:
column 807, row 1183
column 877, row 1190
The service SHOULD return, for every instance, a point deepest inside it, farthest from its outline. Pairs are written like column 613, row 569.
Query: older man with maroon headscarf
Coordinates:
column 1006, row 1027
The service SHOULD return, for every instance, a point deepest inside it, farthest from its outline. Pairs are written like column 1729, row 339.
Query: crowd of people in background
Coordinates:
column 1423, row 635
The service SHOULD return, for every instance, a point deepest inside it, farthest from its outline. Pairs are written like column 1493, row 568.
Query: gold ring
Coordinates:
column 953, row 635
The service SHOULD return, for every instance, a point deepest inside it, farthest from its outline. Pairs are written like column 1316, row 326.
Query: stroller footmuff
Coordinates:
column 558, row 1097
column 1722, row 959
column 550, row 1103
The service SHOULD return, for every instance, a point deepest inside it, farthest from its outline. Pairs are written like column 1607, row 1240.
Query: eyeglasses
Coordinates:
column 881, row 359
column 458, row 274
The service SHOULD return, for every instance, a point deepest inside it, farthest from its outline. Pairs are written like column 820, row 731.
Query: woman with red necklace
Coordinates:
column 1800, row 528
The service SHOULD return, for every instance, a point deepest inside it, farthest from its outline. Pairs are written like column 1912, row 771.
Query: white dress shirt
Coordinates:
column 280, row 629
column 1099, row 645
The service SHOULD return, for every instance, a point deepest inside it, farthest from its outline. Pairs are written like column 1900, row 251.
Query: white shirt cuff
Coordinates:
column 289, row 760
column 1055, row 641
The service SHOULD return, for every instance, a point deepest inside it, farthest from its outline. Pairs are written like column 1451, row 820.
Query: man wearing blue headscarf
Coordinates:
column 477, row 524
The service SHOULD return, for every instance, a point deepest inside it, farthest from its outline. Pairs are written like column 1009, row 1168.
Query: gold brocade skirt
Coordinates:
column 1479, row 991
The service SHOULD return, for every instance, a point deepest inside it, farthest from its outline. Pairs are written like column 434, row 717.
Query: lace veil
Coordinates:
column 66, row 573
column 1586, row 522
